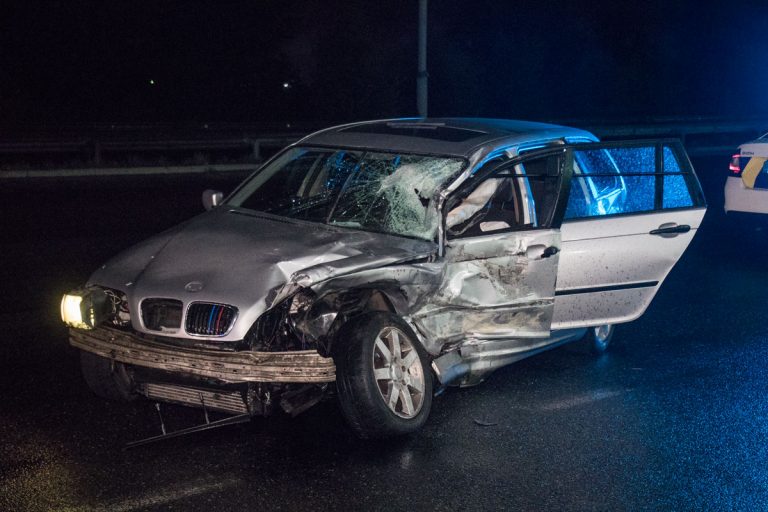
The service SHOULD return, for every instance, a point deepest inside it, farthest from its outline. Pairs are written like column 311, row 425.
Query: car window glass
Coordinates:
column 372, row 191
column 602, row 192
column 622, row 180
column 676, row 193
column 394, row 194
column 515, row 197
column 634, row 159
column 305, row 186
column 639, row 195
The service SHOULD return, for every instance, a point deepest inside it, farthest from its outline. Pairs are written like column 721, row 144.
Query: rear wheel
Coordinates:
column 598, row 338
column 383, row 377
column 108, row 379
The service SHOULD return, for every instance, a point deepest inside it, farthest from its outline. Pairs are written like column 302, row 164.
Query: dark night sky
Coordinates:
column 75, row 61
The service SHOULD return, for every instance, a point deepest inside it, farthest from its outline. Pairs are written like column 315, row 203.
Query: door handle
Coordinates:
column 671, row 229
column 539, row 251
column 550, row 251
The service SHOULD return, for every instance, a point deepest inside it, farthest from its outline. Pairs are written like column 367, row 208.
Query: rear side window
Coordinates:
column 676, row 193
column 616, row 179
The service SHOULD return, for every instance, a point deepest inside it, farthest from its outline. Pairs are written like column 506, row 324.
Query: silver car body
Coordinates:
column 475, row 303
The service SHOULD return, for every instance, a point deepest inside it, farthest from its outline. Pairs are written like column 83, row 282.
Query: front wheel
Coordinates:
column 383, row 376
column 598, row 338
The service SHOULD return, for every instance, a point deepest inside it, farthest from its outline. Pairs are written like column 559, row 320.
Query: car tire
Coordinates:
column 598, row 338
column 106, row 378
column 383, row 376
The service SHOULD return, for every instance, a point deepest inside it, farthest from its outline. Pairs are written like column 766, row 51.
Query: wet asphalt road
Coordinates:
column 673, row 417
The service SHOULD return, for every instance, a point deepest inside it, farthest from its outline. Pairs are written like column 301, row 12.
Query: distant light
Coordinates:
column 286, row 85
column 151, row 82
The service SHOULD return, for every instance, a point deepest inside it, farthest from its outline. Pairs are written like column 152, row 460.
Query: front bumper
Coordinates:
column 305, row 366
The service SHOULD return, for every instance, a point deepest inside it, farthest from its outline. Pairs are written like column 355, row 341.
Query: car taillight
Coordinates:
column 734, row 165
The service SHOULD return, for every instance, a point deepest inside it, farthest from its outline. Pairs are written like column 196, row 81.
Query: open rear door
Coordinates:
column 633, row 208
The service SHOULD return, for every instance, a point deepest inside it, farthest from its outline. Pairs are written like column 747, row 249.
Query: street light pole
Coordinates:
column 421, row 77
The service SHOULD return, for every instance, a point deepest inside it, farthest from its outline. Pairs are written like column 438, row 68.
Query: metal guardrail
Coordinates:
column 126, row 171
column 97, row 152
column 109, row 150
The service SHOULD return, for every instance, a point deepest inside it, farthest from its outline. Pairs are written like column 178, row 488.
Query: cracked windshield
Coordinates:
column 380, row 192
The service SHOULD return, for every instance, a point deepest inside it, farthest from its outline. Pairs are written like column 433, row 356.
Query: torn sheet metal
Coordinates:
column 246, row 260
column 364, row 268
column 492, row 287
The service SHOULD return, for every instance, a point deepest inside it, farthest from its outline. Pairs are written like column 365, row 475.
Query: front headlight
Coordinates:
column 84, row 309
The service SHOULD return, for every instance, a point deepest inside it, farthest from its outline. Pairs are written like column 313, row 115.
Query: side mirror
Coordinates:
column 212, row 198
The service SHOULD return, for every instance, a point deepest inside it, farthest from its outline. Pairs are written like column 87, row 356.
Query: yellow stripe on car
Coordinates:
column 753, row 168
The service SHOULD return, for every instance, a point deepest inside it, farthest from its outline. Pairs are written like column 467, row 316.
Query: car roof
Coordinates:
column 440, row 136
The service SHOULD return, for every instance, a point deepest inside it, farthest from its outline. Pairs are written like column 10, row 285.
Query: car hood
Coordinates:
column 247, row 259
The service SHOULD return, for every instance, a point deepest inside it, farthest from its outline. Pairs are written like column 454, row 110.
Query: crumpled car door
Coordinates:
column 501, row 256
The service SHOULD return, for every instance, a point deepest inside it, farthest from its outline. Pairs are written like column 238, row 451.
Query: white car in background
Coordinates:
column 746, row 188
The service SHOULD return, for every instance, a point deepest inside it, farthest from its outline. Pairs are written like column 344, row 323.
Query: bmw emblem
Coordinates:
column 194, row 286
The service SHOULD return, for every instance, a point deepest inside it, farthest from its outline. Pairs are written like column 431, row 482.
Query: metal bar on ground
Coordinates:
column 232, row 420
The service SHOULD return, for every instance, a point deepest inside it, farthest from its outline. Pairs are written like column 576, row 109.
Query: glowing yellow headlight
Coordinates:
column 85, row 308
column 71, row 311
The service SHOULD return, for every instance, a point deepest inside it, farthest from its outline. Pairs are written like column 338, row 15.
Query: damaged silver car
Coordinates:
column 381, row 261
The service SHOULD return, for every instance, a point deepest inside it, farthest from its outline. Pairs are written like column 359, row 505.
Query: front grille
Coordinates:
column 204, row 319
column 161, row 314
column 222, row 401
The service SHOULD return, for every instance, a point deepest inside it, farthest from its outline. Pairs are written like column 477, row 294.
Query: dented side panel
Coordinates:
column 494, row 287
